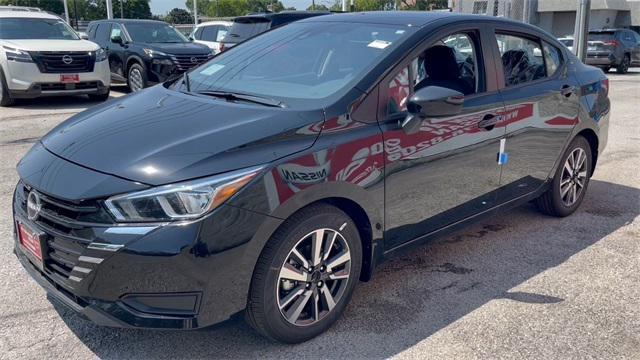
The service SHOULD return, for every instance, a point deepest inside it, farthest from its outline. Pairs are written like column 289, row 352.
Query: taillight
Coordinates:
column 613, row 43
column 604, row 84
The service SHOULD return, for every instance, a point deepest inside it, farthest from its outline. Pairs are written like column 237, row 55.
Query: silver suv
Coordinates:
column 40, row 55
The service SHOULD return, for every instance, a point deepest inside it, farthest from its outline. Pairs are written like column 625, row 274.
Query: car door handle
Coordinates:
column 488, row 122
column 567, row 90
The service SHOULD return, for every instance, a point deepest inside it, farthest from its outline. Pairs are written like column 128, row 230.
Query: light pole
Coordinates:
column 195, row 13
column 66, row 11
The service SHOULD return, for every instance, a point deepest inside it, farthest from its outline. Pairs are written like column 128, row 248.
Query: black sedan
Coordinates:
column 275, row 177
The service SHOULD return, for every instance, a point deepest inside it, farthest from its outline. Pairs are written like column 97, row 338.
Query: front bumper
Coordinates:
column 169, row 275
column 25, row 80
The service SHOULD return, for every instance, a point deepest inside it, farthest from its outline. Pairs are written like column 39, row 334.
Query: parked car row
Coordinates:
column 607, row 48
column 44, row 56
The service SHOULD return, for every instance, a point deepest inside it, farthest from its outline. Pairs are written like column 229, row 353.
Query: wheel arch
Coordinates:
column 130, row 61
column 593, row 141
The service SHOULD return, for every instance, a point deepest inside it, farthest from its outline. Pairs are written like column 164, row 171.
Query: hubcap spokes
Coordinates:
column 313, row 277
column 574, row 177
column 136, row 80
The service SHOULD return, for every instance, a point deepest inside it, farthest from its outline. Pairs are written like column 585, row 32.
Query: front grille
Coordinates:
column 69, row 227
column 64, row 62
column 85, row 85
column 186, row 62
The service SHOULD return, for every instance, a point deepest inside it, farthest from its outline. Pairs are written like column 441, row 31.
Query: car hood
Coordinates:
column 51, row 45
column 179, row 48
column 159, row 136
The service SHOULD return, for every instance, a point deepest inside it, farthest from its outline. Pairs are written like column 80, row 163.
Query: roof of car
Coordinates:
column 215, row 22
column 5, row 13
column 286, row 14
column 414, row 18
column 129, row 21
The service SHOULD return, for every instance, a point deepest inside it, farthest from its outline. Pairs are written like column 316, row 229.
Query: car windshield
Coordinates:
column 154, row 33
column 299, row 61
column 245, row 28
column 600, row 36
column 34, row 29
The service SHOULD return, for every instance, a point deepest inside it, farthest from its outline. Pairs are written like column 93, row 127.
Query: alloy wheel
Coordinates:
column 574, row 177
column 313, row 277
column 135, row 80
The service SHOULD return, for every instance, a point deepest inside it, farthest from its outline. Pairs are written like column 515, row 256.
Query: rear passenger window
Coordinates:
column 522, row 59
column 552, row 58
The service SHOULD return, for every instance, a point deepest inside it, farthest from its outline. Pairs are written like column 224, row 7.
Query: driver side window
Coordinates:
column 450, row 62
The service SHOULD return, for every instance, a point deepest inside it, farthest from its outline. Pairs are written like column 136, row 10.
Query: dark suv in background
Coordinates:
column 143, row 52
column 618, row 48
column 246, row 27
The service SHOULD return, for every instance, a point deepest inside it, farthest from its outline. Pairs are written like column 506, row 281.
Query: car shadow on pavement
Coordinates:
column 411, row 297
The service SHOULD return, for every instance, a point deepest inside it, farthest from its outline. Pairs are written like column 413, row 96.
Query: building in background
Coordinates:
column 557, row 16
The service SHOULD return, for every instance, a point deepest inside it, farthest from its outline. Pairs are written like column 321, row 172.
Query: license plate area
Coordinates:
column 70, row 79
column 32, row 243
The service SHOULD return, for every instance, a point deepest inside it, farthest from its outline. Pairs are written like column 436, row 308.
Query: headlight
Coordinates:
column 101, row 55
column 181, row 201
column 154, row 53
column 17, row 55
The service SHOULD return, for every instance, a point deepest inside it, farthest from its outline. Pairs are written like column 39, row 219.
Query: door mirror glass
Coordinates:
column 431, row 102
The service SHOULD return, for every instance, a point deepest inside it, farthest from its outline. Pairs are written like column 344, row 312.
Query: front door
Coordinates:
column 116, row 51
column 541, row 102
column 446, row 171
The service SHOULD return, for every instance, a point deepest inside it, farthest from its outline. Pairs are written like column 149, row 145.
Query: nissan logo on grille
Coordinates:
column 67, row 59
column 34, row 205
column 194, row 60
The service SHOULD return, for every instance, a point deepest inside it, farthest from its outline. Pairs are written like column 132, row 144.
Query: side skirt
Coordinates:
column 447, row 230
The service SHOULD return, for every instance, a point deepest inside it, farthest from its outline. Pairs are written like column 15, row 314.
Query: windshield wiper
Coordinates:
column 231, row 96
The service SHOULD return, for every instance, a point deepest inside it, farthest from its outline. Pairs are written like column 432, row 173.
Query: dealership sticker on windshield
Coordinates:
column 379, row 44
column 212, row 69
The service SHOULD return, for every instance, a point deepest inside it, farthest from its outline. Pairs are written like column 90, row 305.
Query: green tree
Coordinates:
column 318, row 7
column 54, row 6
column 179, row 16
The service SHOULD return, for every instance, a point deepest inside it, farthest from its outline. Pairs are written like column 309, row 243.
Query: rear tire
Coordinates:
column 296, row 295
column 570, row 182
column 5, row 96
column 623, row 68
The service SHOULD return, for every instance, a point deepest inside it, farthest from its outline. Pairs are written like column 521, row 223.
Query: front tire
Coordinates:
column 570, row 182
column 136, row 78
column 305, row 275
column 5, row 96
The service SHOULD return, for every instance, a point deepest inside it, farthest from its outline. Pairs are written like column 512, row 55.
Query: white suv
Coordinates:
column 40, row 55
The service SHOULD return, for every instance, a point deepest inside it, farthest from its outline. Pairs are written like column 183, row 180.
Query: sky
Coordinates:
column 163, row 6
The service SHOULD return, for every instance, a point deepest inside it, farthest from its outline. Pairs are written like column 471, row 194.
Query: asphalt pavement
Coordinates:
column 518, row 285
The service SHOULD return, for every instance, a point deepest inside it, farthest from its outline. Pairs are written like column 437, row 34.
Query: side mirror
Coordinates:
column 431, row 102
column 117, row 40
column 83, row 36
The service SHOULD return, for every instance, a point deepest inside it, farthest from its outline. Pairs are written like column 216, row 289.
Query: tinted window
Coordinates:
column 299, row 61
column 601, row 36
column 102, row 33
column 213, row 33
column 521, row 59
column 245, row 28
column 451, row 62
column 116, row 32
column 567, row 42
column 151, row 32
column 552, row 58
column 33, row 29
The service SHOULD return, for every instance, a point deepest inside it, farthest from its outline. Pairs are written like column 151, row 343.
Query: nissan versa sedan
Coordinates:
column 272, row 179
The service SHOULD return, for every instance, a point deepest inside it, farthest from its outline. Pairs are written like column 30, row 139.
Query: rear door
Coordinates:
column 447, row 171
column 541, row 102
